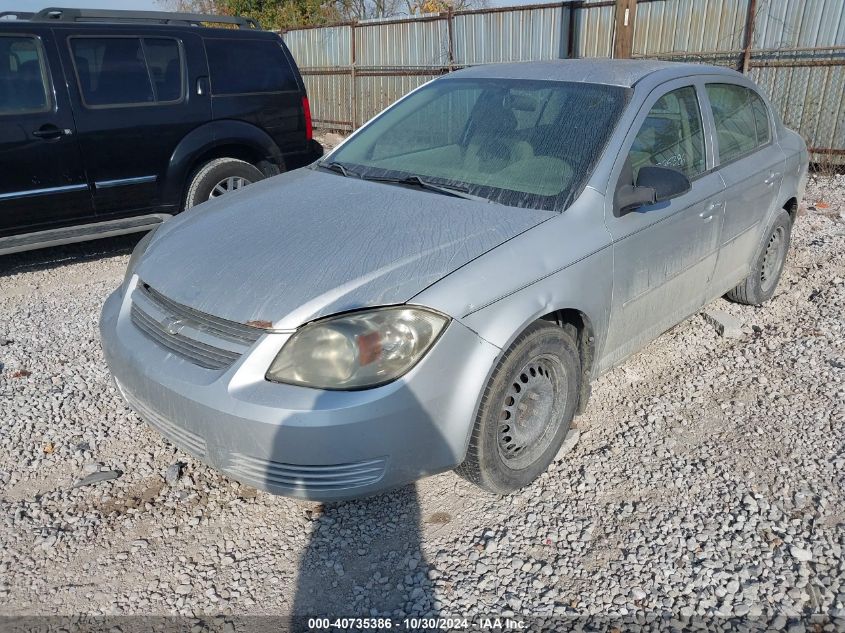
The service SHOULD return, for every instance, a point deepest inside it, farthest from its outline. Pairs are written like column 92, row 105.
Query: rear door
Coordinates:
column 42, row 183
column 752, row 165
column 136, row 102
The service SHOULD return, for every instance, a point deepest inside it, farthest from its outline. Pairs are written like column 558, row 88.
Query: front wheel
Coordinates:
column 219, row 177
column 525, row 412
column 766, row 269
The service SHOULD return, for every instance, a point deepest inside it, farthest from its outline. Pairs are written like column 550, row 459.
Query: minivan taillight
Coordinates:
column 309, row 127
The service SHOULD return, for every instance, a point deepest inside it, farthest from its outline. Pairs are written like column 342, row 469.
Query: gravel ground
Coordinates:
column 708, row 479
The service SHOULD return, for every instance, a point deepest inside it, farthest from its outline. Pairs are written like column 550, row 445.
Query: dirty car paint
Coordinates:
column 309, row 243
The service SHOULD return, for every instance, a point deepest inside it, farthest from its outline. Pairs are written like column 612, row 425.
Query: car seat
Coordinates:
column 492, row 142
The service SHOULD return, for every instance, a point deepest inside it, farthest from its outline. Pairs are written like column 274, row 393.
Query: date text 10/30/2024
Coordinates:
column 417, row 624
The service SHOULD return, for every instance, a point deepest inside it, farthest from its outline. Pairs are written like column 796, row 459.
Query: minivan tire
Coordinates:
column 761, row 283
column 217, row 171
column 525, row 411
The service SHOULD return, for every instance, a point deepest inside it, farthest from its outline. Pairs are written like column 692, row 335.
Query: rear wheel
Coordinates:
column 219, row 177
column 761, row 283
column 526, row 410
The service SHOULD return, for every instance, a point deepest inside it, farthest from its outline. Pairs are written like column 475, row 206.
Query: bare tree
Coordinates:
column 191, row 6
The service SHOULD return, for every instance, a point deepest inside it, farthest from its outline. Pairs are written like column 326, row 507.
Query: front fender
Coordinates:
column 204, row 139
column 563, row 263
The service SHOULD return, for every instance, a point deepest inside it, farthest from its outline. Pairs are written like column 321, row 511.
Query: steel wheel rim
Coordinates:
column 232, row 183
column 530, row 412
column 773, row 259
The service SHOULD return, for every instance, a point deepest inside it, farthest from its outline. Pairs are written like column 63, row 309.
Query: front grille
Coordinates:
column 262, row 472
column 203, row 339
column 182, row 438
column 221, row 328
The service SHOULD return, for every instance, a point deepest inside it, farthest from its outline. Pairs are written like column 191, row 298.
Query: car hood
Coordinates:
column 310, row 243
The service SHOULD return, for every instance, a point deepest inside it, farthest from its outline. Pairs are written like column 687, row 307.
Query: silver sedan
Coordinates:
column 440, row 290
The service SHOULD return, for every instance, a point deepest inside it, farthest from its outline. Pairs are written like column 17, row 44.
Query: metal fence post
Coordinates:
column 570, row 34
column 623, row 43
column 353, row 88
column 451, row 39
column 750, row 17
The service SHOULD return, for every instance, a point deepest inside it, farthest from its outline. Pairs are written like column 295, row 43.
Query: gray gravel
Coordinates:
column 707, row 478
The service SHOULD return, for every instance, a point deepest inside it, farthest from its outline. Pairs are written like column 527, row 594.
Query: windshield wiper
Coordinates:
column 337, row 167
column 416, row 181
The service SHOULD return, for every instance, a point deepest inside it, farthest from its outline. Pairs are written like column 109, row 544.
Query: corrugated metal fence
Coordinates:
column 795, row 49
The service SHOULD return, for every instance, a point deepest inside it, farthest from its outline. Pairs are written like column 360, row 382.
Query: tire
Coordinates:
column 761, row 283
column 214, row 177
column 516, row 435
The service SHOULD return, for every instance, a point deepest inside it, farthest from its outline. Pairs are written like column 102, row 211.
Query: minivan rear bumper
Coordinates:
column 295, row 441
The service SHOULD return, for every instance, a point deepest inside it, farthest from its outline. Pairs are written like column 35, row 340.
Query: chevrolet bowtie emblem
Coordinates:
column 173, row 325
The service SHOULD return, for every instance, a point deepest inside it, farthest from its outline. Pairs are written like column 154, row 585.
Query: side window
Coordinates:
column 741, row 117
column 165, row 62
column 23, row 83
column 248, row 66
column 671, row 135
column 121, row 71
column 761, row 118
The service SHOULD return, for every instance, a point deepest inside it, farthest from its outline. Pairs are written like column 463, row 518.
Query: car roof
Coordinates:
column 211, row 29
column 614, row 72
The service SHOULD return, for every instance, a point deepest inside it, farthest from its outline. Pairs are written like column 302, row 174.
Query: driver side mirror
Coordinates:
column 654, row 184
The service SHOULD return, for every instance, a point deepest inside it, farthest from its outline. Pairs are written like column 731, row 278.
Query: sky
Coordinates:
column 36, row 5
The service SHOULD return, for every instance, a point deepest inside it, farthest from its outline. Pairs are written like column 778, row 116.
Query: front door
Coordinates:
column 664, row 254
column 42, row 184
column 136, row 100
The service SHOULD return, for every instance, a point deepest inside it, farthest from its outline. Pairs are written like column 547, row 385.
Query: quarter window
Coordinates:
column 248, row 66
column 23, row 84
column 671, row 135
column 120, row 71
column 741, row 118
column 165, row 65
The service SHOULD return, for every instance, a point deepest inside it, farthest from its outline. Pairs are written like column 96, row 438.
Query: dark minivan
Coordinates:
column 113, row 121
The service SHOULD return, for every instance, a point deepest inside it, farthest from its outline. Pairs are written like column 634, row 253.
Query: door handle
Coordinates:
column 707, row 214
column 772, row 178
column 202, row 86
column 50, row 132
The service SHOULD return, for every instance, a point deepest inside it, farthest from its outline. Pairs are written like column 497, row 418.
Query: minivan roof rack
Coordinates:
column 59, row 14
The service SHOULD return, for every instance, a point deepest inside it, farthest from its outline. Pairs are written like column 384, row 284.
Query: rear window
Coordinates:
column 248, row 66
column 121, row 71
column 23, row 85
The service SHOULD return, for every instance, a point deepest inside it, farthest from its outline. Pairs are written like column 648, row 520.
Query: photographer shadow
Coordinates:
column 364, row 557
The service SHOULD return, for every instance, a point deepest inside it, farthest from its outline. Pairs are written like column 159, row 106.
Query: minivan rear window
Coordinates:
column 248, row 66
column 121, row 71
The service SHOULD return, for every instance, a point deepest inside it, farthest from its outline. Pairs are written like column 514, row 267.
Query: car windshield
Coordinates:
column 516, row 142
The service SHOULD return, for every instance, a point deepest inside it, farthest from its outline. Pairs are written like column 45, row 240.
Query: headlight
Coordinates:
column 357, row 350
column 137, row 254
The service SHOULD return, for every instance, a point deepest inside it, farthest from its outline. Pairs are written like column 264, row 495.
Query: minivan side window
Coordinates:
column 248, row 67
column 741, row 118
column 671, row 135
column 122, row 71
column 23, row 81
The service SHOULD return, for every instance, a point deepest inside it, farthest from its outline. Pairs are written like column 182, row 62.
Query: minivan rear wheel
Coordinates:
column 761, row 283
column 218, row 177
column 525, row 412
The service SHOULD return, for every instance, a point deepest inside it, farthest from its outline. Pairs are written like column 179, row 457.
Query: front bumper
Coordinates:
column 295, row 441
